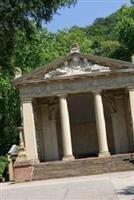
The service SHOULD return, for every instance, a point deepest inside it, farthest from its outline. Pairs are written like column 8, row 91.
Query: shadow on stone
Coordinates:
column 131, row 159
column 127, row 191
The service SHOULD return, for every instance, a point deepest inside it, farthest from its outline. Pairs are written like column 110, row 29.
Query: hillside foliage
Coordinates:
column 112, row 36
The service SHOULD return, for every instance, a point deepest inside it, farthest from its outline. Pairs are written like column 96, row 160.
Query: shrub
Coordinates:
column 3, row 164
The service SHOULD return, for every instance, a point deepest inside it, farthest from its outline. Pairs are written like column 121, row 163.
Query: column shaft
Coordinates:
column 65, row 125
column 120, row 135
column 54, row 139
column 131, row 99
column 29, row 130
column 49, row 135
column 100, row 123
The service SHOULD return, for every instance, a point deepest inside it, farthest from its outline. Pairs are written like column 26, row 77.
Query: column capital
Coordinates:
column 62, row 95
column 52, row 111
column 26, row 99
column 96, row 91
column 130, row 88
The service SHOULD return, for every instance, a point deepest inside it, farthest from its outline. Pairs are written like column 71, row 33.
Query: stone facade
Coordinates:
column 78, row 106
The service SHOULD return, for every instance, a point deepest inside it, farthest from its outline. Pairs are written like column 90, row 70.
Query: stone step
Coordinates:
column 81, row 167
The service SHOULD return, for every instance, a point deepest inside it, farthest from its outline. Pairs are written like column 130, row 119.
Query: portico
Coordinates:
column 78, row 106
column 67, row 129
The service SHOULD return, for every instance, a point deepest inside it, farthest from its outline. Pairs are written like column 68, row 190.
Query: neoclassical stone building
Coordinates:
column 77, row 106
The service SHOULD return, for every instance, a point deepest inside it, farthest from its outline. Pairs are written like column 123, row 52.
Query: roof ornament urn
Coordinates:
column 18, row 72
column 74, row 48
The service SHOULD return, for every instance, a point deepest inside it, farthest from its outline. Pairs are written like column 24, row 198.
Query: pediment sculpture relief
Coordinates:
column 74, row 67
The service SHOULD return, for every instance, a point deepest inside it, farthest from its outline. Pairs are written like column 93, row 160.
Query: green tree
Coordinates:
column 3, row 165
column 125, row 29
column 132, row 1
column 65, row 38
column 9, row 114
column 30, row 54
column 23, row 15
column 23, row 45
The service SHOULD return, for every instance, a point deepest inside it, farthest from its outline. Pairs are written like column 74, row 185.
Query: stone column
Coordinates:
column 21, row 148
column 10, row 169
column 119, row 126
column 100, row 123
column 131, row 99
column 49, row 134
column 114, row 118
column 52, row 119
column 29, row 129
column 65, row 126
column 40, row 139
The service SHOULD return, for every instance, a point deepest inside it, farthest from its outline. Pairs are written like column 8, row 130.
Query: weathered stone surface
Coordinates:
column 23, row 173
column 82, row 167
column 77, row 86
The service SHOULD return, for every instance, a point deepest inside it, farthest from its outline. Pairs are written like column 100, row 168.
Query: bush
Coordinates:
column 3, row 164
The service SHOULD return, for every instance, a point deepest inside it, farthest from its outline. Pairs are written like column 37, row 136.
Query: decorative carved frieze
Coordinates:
column 76, row 66
column 109, row 98
column 52, row 111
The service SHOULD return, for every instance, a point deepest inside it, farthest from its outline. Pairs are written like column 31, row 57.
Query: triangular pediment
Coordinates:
column 75, row 64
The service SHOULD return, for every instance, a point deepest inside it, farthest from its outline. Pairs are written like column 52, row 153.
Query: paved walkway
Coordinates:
column 114, row 186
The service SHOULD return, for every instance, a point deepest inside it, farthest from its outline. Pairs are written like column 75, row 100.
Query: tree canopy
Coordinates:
column 21, row 44
column 23, row 15
column 126, row 28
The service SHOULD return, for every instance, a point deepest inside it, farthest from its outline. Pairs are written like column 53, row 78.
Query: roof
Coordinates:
column 36, row 74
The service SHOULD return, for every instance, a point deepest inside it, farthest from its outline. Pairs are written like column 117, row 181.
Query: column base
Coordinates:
column 67, row 158
column 104, row 154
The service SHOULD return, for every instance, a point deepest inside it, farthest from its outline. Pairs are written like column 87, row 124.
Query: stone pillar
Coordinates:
column 49, row 134
column 29, row 130
column 21, row 148
column 10, row 169
column 119, row 126
column 114, row 118
column 65, row 126
column 52, row 119
column 100, row 123
column 40, row 140
column 131, row 99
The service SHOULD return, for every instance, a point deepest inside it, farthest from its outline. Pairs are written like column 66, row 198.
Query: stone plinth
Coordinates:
column 23, row 171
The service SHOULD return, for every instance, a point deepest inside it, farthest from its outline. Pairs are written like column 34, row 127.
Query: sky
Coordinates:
column 84, row 13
